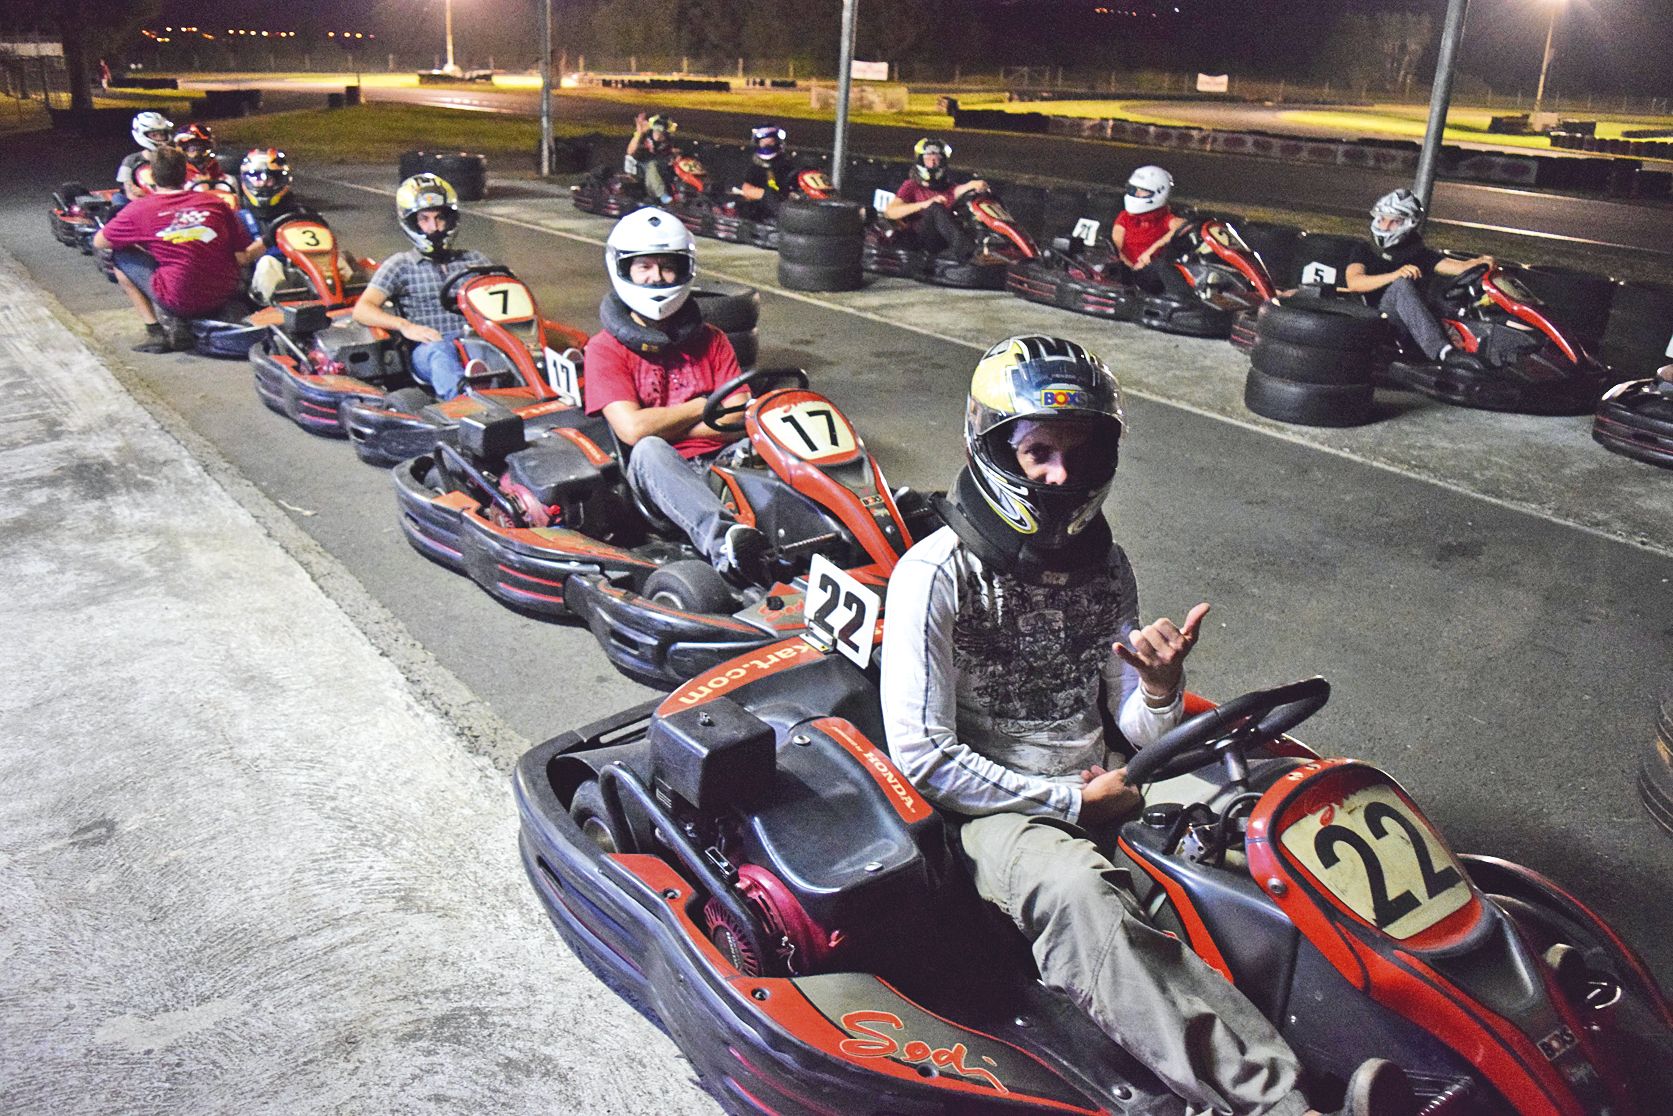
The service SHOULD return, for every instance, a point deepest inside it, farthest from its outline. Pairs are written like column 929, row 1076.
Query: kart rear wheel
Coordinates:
column 690, row 586
column 1307, row 404
column 588, row 812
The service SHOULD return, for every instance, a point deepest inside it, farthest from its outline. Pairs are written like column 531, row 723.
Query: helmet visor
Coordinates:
column 656, row 269
column 1139, row 191
column 1074, row 451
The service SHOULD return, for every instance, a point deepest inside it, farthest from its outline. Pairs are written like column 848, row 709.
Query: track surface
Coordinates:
column 1500, row 665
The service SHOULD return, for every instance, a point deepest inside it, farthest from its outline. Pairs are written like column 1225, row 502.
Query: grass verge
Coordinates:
column 382, row 131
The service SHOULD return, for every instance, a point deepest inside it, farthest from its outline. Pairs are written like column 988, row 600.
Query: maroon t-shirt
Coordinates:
column 912, row 191
column 195, row 239
column 666, row 379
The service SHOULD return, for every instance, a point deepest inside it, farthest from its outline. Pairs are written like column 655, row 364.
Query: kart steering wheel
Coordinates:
column 1459, row 288
column 758, row 380
column 1227, row 730
column 450, row 289
column 301, row 213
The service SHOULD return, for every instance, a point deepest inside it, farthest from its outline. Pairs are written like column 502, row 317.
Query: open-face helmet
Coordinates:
column 152, row 129
column 651, row 232
column 930, row 146
column 264, row 178
column 1397, row 215
column 1148, row 189
column 766, row 142
column 198, row 142
column 1031, row 380
column 428, row 191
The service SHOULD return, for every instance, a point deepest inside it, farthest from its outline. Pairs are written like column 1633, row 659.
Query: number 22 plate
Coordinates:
column 841, row 613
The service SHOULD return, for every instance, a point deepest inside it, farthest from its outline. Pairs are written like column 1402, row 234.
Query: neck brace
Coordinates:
column 1002, row 548
column 648, row 337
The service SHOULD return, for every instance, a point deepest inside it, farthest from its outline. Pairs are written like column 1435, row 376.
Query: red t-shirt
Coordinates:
column 666, row 379
column 195, row 240
column 1143, row 230
column 912, row 191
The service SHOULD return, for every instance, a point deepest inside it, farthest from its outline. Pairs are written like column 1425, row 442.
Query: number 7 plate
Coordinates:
column 841, row 612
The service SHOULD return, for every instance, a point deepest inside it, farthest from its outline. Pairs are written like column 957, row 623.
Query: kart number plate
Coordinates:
column 1381, row 860
column 1317, row 272
column 563, row 373
column 880, row 199
column 306, row 239
column 1086, row 231
column 841, row 613
column 502, row 302
column 810, row 429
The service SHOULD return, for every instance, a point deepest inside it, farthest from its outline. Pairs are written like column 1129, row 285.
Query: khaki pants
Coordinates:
column 1147, row 990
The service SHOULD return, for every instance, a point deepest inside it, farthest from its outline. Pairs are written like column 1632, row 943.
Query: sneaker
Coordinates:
column 1379, row 1088
column 743, row 555
column 154, row 344
column 476, row 369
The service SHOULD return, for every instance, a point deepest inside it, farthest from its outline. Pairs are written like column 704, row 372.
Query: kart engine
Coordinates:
column 803, row 945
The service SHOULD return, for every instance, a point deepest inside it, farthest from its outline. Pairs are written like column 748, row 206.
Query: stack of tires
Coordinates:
column 1655, row 773
column 466, row 173
column 1315, row 360
column 735, row 310
column 819, row 244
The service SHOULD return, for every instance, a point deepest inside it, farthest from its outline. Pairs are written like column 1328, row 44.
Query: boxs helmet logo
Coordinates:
column 1061, row 396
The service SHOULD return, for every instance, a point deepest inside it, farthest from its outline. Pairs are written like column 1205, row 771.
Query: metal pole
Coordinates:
column 545, row 88
column 1545, row 66
column 1440, row 99
column 845, row 71
column 447, row 7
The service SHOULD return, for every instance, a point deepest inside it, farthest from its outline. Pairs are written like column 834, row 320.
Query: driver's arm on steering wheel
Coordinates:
column 1449, row 266
column 1174, row 225
column 631, row 422
column 369, row 311
column 1360, row 281
column 974, row 186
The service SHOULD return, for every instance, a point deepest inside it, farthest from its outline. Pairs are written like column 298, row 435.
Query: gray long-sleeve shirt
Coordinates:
column 991, row 687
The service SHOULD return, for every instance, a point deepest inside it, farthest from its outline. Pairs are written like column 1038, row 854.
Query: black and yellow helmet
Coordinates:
column 428, row 191
column 1029, row 380
column 929, row 145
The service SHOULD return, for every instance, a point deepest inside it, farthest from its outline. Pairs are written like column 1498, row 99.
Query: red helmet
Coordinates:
column 197, row 141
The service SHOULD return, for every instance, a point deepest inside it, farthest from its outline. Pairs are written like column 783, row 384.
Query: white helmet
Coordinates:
column 1148, row 189
column 651, row 232
column 146, row 123
column 1403, row 210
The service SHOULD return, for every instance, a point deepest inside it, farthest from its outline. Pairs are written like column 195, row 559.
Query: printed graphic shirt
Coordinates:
column 665, row 379
column 1142, row 230
column 414, row 282
column 991, row 686
column 913, row 191
column 195, row 241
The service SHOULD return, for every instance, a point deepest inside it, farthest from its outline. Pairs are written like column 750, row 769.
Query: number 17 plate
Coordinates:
column 841, row 612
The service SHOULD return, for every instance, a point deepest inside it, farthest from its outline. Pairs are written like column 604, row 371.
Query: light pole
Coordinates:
column 545, row 88
column 1440, row 100
column 1545, row 66
column 845, row 82
column 447, row 8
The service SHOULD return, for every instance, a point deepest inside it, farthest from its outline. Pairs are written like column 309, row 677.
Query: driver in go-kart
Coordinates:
column 264, row 181
column 198, row 142
column 1398, row 263
column 770, row 176
column 650, row 154
column 1144, row 228
column 151, row 130
column 413, row 281
column 923, row 204
column 650, row 372
column 1012, row 633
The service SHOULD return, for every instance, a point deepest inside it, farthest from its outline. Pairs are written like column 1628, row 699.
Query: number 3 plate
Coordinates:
column 841, row 613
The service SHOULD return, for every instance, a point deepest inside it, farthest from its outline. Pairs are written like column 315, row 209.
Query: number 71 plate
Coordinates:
column 841, row 613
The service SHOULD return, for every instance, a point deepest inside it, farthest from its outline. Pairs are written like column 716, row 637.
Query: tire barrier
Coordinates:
column 1314, row 361
column 1321, row 258
column 1639, row 333
column 1655, row 773
column 572, row 156
column 466, row 173
column 819, row 244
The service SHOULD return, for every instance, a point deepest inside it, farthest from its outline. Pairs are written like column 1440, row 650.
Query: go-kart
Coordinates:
column 1226, row 275
column 337, row 378
column 743, row 863
column 1635, row 418
column 612, row 193
column 75, row 214
column 550, row 527
column 721, row 216
column 1000, row 242
column 1525, row 361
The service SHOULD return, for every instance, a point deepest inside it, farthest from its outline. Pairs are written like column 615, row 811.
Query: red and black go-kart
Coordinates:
column 612, row 193
column 1635, row 418
column 1526, row 360
column 718, row 216
column 336, row 378
column 1000, row 243
column 743, row 863
column 550, row 527
column 75, row 213
column 1227, row 276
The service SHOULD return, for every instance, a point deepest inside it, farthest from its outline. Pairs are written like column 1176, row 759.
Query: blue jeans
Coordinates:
column 439, row 366
column 678, row 487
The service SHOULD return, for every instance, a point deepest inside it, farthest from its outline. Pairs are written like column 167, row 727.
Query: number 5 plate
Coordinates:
column 841, row 613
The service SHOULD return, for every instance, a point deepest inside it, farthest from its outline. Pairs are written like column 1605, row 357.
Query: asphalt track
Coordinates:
column 1502, row 666
column 1224, row 180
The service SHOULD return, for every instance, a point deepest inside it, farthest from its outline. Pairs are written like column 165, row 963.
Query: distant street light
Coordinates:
column 447, row 7
column 1545, row 66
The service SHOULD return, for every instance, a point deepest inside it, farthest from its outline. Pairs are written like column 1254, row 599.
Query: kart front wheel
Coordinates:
column 690, row 586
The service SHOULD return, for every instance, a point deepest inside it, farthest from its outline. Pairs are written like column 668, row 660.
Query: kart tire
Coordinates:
column 729, row 307
column 820, row 216
column 828, row 249
column 1306, row 364
column 1655, row 773
column 1322, row 323
column 1307, row 404
column 795, row 276
column 746, row 344
column 691, row 585
column 587, row 810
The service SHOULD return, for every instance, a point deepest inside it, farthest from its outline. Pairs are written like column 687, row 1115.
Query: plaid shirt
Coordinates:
column 414, row 283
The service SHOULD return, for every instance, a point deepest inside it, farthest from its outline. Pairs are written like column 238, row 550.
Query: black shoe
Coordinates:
column 157, row 344
column 743, row 556
column 1379, row 1088
column 1457, row 360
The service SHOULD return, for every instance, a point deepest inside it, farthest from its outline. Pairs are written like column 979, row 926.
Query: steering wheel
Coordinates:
column 1226, row 730
column 301, row 213
column 1459, row 288
column 450, row 289
column 757, row 380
